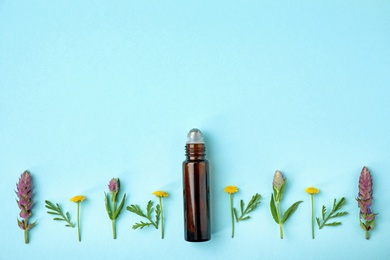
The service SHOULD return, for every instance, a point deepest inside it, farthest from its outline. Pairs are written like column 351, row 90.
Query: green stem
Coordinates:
column 280, row 220
column 312, row 215
column 113, row 229
column 162, row 218
column 231, row 212
column 78, row 220
column 367, row 234
column 113, row 220
column 26, row 236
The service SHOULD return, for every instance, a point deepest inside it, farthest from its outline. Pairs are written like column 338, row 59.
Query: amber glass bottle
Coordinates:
column 196, row 190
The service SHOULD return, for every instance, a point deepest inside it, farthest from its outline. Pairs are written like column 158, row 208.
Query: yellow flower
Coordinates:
column 231, row 189
column 160, row 194
column 77, row 198
column 312, row 190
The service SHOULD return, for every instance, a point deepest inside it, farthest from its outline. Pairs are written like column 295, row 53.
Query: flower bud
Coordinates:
column 278, row 180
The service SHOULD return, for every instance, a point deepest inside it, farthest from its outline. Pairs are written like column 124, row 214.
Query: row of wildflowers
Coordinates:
column 24, row 193
column 364, row 199
column 155, row 214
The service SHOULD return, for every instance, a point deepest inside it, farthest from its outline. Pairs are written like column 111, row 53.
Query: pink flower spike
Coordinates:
column 367, row 217
column 113, row 185
column 24, row 193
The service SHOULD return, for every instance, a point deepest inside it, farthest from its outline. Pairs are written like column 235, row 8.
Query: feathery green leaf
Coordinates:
column 56, row 210
column 255, row 200
column 333, row 214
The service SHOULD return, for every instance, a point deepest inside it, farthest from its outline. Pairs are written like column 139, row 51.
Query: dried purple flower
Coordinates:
column 367, row 217
column 25, row 202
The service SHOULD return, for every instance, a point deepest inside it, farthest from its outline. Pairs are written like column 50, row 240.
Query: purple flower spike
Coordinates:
column 367, row 217
column 24, row 193
column 113, row 185
column 25, row 202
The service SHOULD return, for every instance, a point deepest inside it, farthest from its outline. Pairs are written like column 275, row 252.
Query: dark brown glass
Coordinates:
column 196, row 194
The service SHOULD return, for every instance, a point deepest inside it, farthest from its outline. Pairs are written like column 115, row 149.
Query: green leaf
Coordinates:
column 318, row 222
column 56, row 210
column 141, row 225
column 119, row 209
column 333, row 224
column 235, row 214
column 149, row 208
column 52, row 213
column 323, row 212
column 290, row 211
column 281, row 192
column 245, row 218
column 136, row 209
column 273, row 209
column 371, row 224
column 31, row 225
column 340, row 214
column 158, row 214
column 242, row 206
column 363, row 226
column 340, row 204
column 108, row 208
column 332, row 214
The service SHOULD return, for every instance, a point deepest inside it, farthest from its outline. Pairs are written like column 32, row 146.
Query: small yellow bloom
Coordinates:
column 160, row 194
column 312, row 190
column 231, row 189
column 77, row 198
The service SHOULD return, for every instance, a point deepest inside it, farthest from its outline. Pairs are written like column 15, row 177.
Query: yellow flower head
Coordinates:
column 231, row 189
column 160, row 194
column 312, row 190
column 77, row 198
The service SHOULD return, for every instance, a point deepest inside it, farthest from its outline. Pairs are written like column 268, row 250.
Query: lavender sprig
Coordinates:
column 367, row 217
column 25, row 203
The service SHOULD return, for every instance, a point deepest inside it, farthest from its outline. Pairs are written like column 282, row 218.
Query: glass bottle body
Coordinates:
column 196, row 192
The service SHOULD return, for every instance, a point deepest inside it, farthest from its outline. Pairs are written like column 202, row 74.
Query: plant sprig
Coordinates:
column 56, row 210
column 278, row 186
column 249, row 208
column 333, row 214
column 149, row 210
column 111, row 207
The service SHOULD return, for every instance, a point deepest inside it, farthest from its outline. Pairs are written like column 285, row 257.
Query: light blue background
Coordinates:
column 91, row 90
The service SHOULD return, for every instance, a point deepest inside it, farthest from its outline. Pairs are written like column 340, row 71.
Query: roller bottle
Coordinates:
column 196, row 190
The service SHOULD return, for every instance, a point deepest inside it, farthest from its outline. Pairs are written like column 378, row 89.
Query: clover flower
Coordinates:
column 112, row 211
column 25, row 203
column 367, row 217
column 77, row 199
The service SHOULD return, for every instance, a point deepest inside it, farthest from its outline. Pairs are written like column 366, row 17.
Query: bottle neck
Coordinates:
column 195, row 152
